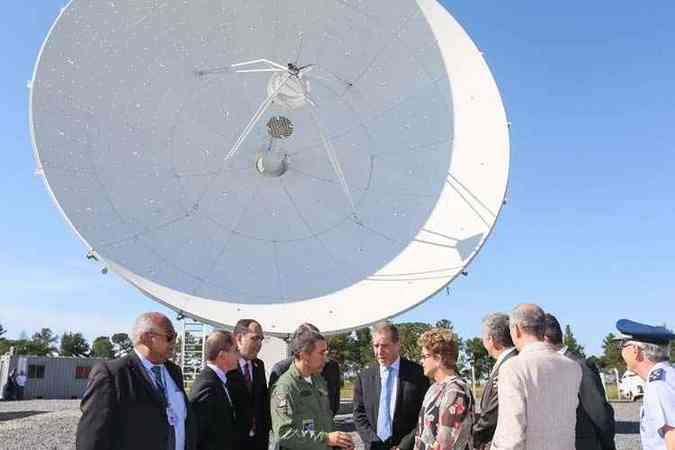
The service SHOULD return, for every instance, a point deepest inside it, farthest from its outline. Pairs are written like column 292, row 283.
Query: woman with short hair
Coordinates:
column 447, row 411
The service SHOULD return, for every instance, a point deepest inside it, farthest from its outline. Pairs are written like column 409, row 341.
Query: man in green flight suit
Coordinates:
column 301, row 415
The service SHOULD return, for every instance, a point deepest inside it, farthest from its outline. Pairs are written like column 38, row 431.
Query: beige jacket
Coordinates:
column 538, row 395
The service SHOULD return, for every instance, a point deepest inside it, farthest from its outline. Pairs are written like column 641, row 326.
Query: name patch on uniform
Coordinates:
column 658, row 375
column 308, row 425
column 305, row 393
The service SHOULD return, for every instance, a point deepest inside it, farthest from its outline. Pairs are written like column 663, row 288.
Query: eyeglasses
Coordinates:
column 170, row 337
column 424, row 356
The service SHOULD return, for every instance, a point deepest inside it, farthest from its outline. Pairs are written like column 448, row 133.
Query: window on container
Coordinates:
column 36, row 371
column 82, row 373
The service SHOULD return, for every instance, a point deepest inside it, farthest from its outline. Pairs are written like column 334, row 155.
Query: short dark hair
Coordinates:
column 305, row 340
column 552, row 331
column 242, row 326
column 388, row 328
column 216, row 342
column 497, row 326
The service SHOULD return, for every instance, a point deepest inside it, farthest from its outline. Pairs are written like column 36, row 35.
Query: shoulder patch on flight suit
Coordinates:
column 281, row 403
column 658, row 375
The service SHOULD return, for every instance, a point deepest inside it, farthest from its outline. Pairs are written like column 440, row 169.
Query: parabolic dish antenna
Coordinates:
column 336, row 161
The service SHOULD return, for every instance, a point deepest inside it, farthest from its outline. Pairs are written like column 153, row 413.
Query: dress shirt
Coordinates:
column 394, row 388
column 21, row 380
column 174, row 397
column 223, row 377
column 501, row 357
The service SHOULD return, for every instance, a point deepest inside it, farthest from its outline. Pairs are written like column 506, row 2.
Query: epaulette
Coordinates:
column 657, row 375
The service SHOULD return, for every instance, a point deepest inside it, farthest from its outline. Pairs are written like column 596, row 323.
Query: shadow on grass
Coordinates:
column 627, row 427
column 5, row 416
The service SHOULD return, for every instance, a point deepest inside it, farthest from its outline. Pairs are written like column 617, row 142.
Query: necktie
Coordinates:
column 248, row 375
column 159, row 381
column 384, row 413
column 161, row 387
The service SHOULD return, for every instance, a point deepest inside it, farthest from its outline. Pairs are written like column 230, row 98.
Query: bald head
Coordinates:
column 530, row 319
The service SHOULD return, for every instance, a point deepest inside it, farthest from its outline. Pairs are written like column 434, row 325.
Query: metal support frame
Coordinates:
column 193, row 349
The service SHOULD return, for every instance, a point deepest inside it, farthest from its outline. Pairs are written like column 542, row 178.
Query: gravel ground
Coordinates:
column 50, row 425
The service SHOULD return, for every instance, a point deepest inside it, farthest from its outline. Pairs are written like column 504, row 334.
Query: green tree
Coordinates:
column 445, row 323
column 571, row 342
column 409, row 332
column 122, row 345
column 362, row 353
column 478, row 357
column 611, row 354
column 42, row 343
column 74, row 344
column 2, row 331
column 102, row 348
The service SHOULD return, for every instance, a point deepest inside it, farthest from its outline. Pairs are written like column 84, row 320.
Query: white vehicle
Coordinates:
column 631, row 386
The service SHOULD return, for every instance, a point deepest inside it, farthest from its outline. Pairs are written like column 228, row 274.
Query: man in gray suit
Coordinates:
column 595, row 416
column 537, row 389
column 497, row 341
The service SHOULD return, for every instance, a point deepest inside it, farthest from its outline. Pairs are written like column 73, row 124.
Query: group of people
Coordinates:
column 15, row 386
column 538, row 395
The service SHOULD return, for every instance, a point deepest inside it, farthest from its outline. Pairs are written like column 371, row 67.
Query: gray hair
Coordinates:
column 497, row 327
column 386, row 328
column 146, row 323
column 654, row 352
column 530, row 318
column 305, row 340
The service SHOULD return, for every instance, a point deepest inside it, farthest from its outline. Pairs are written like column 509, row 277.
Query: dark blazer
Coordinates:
column 412, row 386
column 122, row 409
column 485, row 423
column 595, row 416
column 253, row 406
column 217, row 422
column 330, row 373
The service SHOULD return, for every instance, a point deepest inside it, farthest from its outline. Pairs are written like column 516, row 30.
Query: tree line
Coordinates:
column 351, row 350
column 46, row 343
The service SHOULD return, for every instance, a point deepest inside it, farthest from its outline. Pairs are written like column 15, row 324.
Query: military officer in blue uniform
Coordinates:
column 646, row 350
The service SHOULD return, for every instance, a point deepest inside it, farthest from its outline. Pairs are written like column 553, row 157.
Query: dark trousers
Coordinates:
column 19, row 392
column 386, row 445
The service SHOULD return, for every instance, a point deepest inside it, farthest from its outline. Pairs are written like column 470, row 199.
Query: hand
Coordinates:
column 339, row 439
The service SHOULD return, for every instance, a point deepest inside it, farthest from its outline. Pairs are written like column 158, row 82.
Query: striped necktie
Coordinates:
column 159, row 381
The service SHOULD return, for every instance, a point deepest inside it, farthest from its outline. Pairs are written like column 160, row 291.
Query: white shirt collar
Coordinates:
column 395, row 365
column 222, row 375
column 501, row 357
column 243, row 362
column 146, row 362
column 563, row 350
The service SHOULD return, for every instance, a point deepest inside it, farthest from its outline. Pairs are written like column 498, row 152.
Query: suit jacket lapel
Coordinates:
column 399, row 389
column 378, row 391
column 136, row 366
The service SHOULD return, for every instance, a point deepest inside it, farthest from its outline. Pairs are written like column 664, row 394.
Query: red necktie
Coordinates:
column 248, row 375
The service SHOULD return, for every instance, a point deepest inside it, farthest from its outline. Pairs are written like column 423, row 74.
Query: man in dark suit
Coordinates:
column 251, row 397
column 388, row 395
column 138, row 402
column 330, row 373
column 219, row 427
column 595, row 416
column 497, row 341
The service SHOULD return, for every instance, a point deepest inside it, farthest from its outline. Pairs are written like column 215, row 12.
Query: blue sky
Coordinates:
column 588, row 233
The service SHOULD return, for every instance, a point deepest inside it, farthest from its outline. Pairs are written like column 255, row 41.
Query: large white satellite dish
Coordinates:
column 336, row 161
